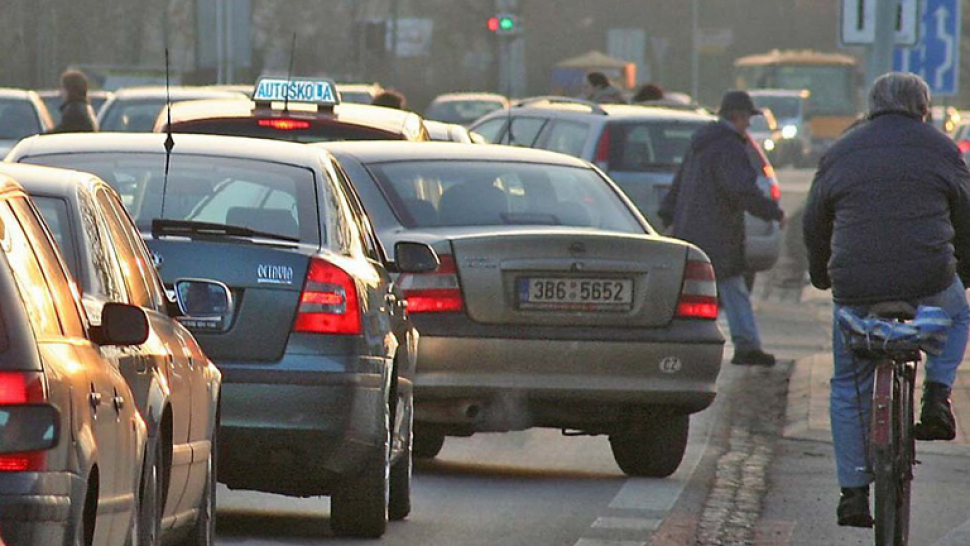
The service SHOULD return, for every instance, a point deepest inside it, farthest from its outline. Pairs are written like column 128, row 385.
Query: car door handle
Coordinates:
column 119, row 402
column 95, row 399
column 391, row 299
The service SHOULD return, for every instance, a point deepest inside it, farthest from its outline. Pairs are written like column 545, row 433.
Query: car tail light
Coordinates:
column 698, row 295
column 602, row 158
column 775, row 192
column 284, row 124
column 964, row 146
column 437, row 292
column 329, row 303
column 22, row 388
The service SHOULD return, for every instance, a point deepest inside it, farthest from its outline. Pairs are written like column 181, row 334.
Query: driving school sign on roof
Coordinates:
column 295, row 90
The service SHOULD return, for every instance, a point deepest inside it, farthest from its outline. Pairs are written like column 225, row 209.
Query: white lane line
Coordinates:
column 632, row 524
column 602, row 542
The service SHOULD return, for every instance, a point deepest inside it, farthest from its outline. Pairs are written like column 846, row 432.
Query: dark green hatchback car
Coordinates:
column 315, row 347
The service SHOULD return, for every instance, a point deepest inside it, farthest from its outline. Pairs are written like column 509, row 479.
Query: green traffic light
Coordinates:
column 506, row 23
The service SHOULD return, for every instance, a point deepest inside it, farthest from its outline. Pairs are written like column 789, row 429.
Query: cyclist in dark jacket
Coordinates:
column 888, row 218
column 714, row 187
column 77, row 116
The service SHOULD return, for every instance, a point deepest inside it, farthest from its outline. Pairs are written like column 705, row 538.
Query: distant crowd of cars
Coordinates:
column 303, row 296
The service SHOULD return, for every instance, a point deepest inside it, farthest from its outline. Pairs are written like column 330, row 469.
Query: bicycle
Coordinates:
column 894, row 345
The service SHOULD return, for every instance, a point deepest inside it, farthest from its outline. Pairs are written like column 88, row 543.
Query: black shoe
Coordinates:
column 853, row 508
column 936, row 420
column 756, row 357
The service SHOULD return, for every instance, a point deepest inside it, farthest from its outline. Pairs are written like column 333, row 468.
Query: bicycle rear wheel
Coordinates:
column 892, row 451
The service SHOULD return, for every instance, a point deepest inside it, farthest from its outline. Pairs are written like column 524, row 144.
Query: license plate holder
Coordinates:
column 596, row 294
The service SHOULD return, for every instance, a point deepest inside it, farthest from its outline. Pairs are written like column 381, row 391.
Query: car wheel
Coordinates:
column 426, row 445
column 399, row 500
column 150, row 496
column 84, row 527
column 653, row 447
column 358, row 508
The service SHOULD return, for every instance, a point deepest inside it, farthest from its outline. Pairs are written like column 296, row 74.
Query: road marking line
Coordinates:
column 634, row 524
column 602, row 542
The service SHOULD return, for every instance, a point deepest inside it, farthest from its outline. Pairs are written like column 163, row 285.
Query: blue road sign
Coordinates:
column 936, row 57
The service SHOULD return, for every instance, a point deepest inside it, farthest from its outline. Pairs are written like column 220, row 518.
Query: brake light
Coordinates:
column 698, row 295
column 22, row 388
column 284, row 124
column 437, row 292
column 775, row 192
column 964, row 146
column 602, row 158
column 329, row 303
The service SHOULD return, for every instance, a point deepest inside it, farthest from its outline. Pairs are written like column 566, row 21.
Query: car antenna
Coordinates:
column 169, row 140
column 289, row 76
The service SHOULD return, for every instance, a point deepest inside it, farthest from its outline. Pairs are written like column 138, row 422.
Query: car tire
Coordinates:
column 425, row 444
column 652, row 447
column 359, row 506
column 150, row 500
column 84, row 527
column 399, row 499
column 203, row 534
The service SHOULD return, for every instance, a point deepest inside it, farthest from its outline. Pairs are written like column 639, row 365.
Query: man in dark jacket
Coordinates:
column 77, row 116
column 714, row 187
column 888, row 218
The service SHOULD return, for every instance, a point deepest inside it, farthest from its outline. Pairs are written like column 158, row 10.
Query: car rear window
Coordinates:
column 263, row 196
column 295, row 130
column 134, row 116
column 494, row 193
column 18, row 119
column 649, row 146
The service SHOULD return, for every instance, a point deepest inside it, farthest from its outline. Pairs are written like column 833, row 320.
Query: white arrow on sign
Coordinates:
column 947, row 39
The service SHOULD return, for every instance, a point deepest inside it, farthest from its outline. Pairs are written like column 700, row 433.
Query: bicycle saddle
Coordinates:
column 900, row 310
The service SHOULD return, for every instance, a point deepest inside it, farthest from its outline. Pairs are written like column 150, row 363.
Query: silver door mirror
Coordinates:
column 205, row 305
column 28, row 428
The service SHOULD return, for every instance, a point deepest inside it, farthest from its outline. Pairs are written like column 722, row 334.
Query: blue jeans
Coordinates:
column 852, row 376
column 736, row 302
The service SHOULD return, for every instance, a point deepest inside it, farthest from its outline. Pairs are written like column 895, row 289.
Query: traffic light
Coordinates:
column 503, row 23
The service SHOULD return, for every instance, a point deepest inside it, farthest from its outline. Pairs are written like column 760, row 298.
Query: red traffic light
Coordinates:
column 493, row 24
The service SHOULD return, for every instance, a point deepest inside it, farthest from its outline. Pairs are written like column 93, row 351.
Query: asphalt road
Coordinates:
column 538, row 488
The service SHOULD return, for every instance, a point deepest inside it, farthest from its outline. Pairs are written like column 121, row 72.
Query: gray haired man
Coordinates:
column 888, row 218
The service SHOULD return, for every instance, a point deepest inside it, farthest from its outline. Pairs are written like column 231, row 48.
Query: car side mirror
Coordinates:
column 29, row 427
column 121, row 324
column 204, row 304
column 412, row 257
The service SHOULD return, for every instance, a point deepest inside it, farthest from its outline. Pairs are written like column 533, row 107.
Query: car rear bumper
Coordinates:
column 473, row 384
column 35, row 507
column 292, row 430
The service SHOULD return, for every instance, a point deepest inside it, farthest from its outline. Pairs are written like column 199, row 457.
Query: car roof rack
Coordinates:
column 556, row 99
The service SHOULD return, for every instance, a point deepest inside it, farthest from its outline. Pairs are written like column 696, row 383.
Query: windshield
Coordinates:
column 262, row 196
column 461, row 111
column 18, row 119
column 478, row 193
column 650, row 146
column 781, row 107
column 830, row 87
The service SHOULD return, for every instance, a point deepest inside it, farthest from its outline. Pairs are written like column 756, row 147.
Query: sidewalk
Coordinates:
column 808, row 391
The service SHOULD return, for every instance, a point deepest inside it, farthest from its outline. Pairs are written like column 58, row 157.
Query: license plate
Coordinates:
column 579, row 294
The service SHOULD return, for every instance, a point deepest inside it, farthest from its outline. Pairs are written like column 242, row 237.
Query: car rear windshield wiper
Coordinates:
column 188, row 228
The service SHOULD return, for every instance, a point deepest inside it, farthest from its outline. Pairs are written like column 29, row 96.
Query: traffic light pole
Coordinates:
column 880, row 54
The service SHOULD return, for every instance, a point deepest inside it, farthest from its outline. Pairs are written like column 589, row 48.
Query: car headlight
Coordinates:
column 789, row 131
column 769, row 145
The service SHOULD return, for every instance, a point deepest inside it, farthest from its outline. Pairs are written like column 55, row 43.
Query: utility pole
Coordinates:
column 395, row 16
column 880, row 54
column 695, row 55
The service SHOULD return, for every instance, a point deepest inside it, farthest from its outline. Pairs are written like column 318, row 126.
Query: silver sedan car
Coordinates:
column 555, row 303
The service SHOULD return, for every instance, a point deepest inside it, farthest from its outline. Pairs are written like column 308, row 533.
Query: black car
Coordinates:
column 316, row 350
